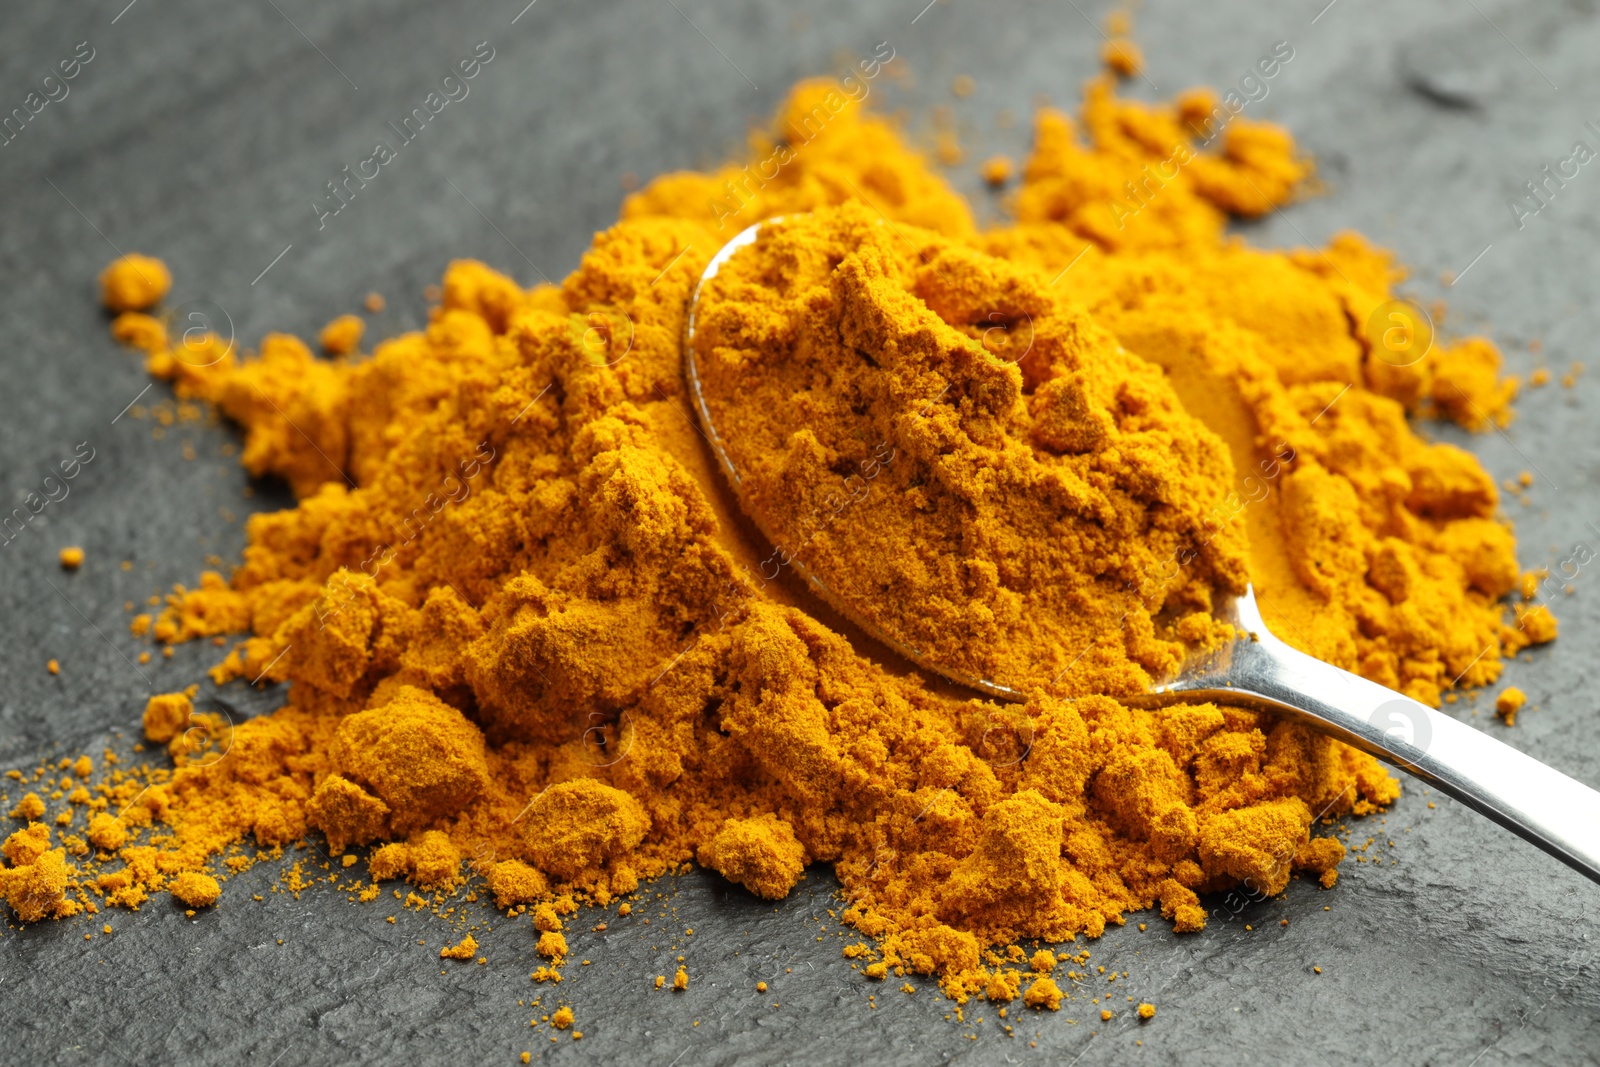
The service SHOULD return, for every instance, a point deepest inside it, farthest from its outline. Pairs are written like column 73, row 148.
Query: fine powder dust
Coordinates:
column 537, row 653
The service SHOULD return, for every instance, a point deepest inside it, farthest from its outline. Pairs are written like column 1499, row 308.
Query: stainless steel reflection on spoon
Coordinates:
column 1258, row 671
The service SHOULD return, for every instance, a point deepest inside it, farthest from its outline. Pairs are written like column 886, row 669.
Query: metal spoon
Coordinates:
column 1262, row 673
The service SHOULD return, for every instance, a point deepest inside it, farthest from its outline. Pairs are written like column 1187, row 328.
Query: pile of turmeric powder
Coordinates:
column 531, row 640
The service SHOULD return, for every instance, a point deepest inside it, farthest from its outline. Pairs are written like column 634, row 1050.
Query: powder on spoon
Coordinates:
column 964, row 458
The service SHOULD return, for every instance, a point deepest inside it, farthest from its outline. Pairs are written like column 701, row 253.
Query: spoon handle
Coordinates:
column 1539, row 803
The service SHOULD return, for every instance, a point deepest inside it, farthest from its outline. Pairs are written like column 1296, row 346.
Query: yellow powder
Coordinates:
column 134, row 283
column 1536, row 624
column 26, row 847
column 1122, row 56
column 552, row 946
column 465, row 949
column 761, row 854
column 29, row 808
column 422, row 758
column 997, row 170
column 35, row 884
column 346, row 814
column 531, row 639
column 166, row 715
column 106, row 832
column 137, row 330
column 1508, row 703
column 1043, row 993
column 342, row 336
column 1003, row 985
column 513, row 882
column 196, row 889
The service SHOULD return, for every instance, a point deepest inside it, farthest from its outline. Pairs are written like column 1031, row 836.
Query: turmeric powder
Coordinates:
column 465, row 949
column 196, row 889
column 1508, row 703
column 530, row 640
column 341, row 336
column 134, row 282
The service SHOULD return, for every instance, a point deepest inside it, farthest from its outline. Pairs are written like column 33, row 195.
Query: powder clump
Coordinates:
column 464, row 949
column 346, row 814
column 1043, row 993
column 1508, row 703
column 196, row 889
column 36, row 884
column 342, row 336
column 30, row 807
column 578, row 826
column 134, row 283
column 166, row 715
column 513, row 882
column 422, row 758
column 761, row 854
column 106, row 832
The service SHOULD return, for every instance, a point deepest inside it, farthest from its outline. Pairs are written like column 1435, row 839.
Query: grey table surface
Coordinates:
column 203, row 132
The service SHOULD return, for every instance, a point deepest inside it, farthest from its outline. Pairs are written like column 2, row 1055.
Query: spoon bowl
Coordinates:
column 730, row 470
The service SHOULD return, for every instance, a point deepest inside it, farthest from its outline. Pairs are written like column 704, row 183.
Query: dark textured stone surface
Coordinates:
column 202, row 132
